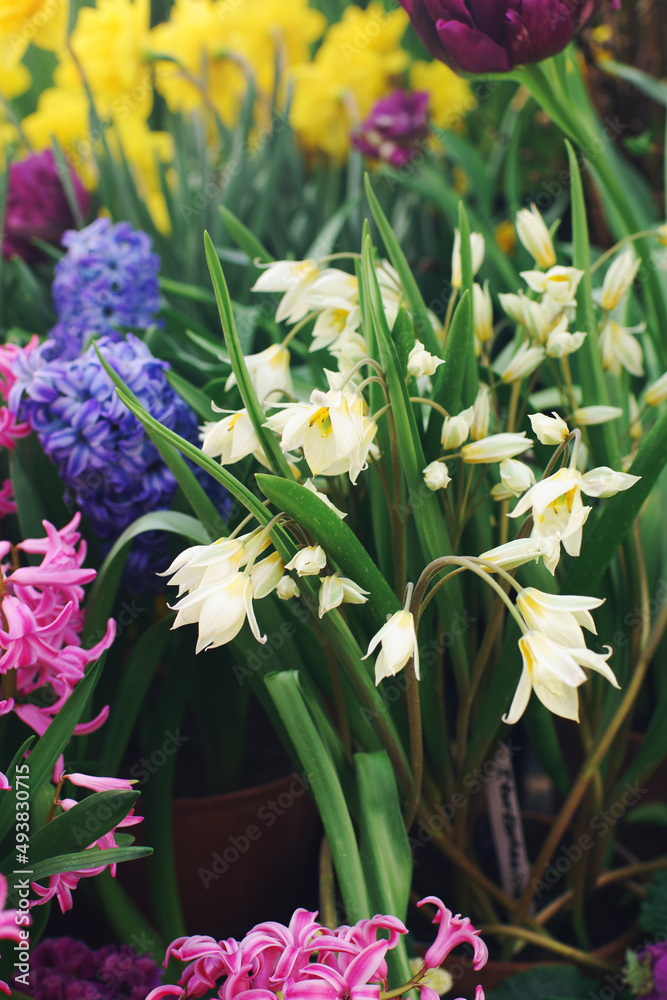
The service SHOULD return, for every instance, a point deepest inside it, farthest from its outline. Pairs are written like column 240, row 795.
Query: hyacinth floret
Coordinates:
column 107, row 279
column 109, row 467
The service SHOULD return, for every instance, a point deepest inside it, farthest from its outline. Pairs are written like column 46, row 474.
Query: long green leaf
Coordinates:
column 248, row 242
column 588, row 359
column 269, row 444
column 335, row 537
column 448, row 387
column 83, row 824
column 470, row 381
column 81, row 861
column 420, row 317
column 325, row 785
column 102, row 596
column 601, row 544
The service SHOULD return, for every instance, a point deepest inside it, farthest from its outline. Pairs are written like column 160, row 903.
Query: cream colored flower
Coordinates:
column 436, row 476
column 495, row 448
column 287, row 589
column 513, row 554
column 587, row 416
column 266, row 575
column 559, row 283
column 231, row 438
column 204, row 564
column 482, row 315
column 524, row 362
column 477, row 249
column 221, row 610
column 560, row 343
column 533, row 233
column 309, row 561
column 269, row 372
column 481, row 414
column 399, row 646
column 455, row 430
column 309, row 485
column 516, row 477
column 620, row 349
column 420, row 362
column 548, row 430
column 336, row 590
column 554, row 673
column 619, row 280
column 294, row 278
column 657, row 392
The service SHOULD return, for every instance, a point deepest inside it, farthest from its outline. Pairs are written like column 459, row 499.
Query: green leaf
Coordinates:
column 338, row 541
column 102, row 595
column 83, row 824
column 417, row 306
column 194, row 397
column 653, row 814
column 385, row 849
column 131, row 689
column 245, row 239
column 449, row 380
column 127, row 922
column 644, row 82
column 50, row 746
column 81, row 861
column 588, row 360
column 564, row 982
column 600, row 545
column 285, row 690
column 267, row 439
column 653, row 909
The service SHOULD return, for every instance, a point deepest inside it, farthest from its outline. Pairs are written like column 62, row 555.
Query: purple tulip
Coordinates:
column 395, row 128
column 493, row 36
column 37, row 206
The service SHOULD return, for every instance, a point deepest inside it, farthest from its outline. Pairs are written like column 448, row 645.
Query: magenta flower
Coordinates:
column 7, row 502
column 37, row 206
column 396, row 128
column 321, row 982
column 654, row 959
column 452, row 931
column 493, row 36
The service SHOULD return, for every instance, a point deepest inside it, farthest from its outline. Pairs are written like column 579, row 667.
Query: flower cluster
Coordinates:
column 40, row 638
column 213, row 54
column 107, row 464
column 37, row 206
column 306, row 960
column 108, row 278
column 63, row 968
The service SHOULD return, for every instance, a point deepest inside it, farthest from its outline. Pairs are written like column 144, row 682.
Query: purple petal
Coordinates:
column 471, row 50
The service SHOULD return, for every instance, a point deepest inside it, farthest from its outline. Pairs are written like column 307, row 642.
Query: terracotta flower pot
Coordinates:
column 241, row 857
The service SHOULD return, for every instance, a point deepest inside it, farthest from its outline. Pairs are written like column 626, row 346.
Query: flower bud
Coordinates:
column 618, row 279
column 560, row 343
column 480, row 414
column 455, row 430
column 477, row 252
column 548, row 430
column 657, row 392
column 420, row 362
column 436, row 476
column 308, row 561
column 524, row 362
column 514, row 553
column 533, row 233
column 515, row 476
column 587, row 416
column 495, row 448
column 287, row 589
column 483, row 313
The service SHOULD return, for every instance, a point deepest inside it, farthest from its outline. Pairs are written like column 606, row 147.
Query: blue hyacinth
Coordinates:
column 109, row 467
column 108, row 278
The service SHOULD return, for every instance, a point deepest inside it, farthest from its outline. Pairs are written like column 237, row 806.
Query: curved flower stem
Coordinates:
column 430, row 402
column 621, row 243
column 416, row 742
column 532, row 937
column 590, row 766
column 475, row 566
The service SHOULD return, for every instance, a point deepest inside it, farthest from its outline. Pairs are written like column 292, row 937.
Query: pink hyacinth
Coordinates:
column 306, row 961
column 40, row 637
column 61, row 886
column 452, row 931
